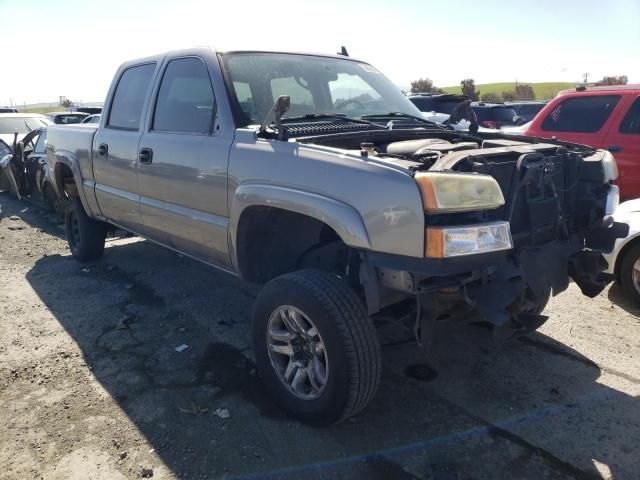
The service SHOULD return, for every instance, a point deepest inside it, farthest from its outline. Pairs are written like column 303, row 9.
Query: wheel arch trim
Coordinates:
column 342, row 218
column 64, row 157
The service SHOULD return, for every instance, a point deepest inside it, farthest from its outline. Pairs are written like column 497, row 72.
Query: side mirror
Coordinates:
column 283, row 102
column 518, row 120
column 280, row 107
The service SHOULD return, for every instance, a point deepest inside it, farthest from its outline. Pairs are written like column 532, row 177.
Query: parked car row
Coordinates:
column 438, row 107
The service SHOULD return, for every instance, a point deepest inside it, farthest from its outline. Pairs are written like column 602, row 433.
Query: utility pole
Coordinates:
column 586, row 77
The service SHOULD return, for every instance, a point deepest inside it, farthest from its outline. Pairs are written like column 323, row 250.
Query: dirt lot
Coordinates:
column 91, row 386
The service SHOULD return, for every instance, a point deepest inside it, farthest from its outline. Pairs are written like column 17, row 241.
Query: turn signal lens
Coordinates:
column 469, row 240
column 458, row 192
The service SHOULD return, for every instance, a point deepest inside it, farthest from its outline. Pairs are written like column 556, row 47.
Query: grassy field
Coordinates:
column 40, row 109
column 544, row 90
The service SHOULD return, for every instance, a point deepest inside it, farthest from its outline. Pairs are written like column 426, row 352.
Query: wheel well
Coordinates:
column 65, row 181
column 272, row 241
column 623, row 252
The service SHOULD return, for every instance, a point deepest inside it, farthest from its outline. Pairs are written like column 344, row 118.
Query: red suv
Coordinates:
column 602, row 117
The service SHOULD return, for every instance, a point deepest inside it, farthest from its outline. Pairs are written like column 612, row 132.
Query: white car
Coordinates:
column 20, row 123
column 624, row 260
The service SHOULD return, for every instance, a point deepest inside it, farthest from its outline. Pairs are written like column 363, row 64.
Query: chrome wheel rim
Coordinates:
column 635, row 275
column 297, row 352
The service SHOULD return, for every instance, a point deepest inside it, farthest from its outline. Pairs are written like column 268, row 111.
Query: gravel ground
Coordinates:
column 91, row 386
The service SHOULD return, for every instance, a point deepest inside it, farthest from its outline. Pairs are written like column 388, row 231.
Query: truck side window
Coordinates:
column 631, row 121
column 581, row 114
column 128, row 100
column 185, row 100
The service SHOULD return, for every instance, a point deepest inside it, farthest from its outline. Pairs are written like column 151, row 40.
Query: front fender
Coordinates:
column 344, row 219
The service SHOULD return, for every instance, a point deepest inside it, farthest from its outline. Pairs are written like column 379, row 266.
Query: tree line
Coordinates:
column 522, row 91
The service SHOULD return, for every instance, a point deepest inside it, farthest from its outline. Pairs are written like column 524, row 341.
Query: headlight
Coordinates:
column 458, row 192
column 456, row 241
column 610, row 167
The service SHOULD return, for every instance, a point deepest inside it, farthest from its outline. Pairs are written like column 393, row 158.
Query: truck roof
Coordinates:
column 195, row 50
column 601, row 88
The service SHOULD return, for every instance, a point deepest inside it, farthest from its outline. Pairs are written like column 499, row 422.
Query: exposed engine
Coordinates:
column 555, row 201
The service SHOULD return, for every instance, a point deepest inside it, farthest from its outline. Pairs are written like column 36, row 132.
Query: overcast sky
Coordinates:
column 67, row 47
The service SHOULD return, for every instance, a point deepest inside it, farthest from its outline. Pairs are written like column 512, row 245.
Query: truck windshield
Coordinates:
column 316, row 85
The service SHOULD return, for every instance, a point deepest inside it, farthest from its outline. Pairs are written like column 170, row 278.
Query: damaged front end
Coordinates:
column 558, row 201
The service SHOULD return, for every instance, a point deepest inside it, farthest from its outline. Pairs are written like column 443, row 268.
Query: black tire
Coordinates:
column 51, row 200
column 528, row 317
column 84, row 235
column 626, row 274
column 538, row 305
column 349, row 338
column 531, row 317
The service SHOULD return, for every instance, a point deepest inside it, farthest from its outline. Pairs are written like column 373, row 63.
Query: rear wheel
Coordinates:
column 52, row 201
column 630, row 274
column 85, row 236
column 316, row 350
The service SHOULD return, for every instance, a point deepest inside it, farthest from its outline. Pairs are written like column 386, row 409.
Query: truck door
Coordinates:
column 115, row 147
column 183, row 157
column 623, row 141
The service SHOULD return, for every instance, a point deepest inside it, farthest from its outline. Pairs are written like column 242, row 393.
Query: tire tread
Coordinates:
column 357, row 331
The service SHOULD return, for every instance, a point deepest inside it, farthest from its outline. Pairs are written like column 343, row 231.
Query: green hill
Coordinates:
column 543, row 90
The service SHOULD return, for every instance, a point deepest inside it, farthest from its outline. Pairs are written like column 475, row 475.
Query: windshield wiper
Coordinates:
column 405, row 115
column 27, row 125
column 336, row 116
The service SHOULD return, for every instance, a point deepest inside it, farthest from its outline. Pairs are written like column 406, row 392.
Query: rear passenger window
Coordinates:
column 631, row 121
column 581, row 114
column 128, row 100
column 185, row 100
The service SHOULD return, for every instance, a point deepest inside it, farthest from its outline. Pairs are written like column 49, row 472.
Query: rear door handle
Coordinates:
column 614, row 148
column 103, row 149
column 145, row 156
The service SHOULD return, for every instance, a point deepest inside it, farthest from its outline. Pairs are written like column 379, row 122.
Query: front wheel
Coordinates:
column 85, row 236
column 316, row 350
column 630, row 274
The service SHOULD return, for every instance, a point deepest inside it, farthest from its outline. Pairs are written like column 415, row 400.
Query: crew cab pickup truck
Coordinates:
column 315, row 176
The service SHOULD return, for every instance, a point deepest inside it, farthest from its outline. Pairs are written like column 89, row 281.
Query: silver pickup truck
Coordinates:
column 316, row 176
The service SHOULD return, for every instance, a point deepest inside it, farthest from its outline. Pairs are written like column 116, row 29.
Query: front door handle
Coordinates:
column 614, row 148
column 145, row 156
column 103, row 149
